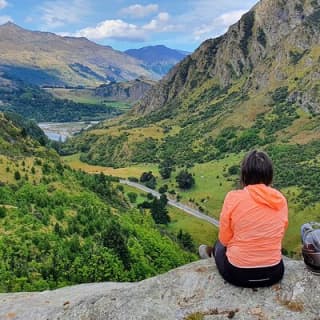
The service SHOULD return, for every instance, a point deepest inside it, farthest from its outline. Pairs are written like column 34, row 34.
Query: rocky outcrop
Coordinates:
column 130, row 91
column 268, row 39
column 194, row 291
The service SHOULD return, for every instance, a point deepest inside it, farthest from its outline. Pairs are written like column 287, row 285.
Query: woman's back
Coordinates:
column 253, row 222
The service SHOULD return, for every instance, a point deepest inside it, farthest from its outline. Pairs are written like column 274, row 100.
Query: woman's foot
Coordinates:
column 205, row 251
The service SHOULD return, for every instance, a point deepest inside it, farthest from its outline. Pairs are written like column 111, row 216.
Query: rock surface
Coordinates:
column 194, row 291
column 130, row 91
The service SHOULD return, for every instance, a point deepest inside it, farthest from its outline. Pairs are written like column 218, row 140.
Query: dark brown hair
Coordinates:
column 256, row 168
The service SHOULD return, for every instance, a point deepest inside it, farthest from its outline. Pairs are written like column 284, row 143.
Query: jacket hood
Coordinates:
column 267, row 196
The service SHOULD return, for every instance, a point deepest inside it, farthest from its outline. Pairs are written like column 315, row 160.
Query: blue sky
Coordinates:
column 125, row 24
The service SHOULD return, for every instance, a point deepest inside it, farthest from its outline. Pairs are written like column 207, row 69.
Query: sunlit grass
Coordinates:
column 8, row 167
column 132, row 171
column 211, row 184
column 87, row 96
column 201, row 231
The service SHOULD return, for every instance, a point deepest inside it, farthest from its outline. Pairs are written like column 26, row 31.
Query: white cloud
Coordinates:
column 230, row 18
column 5, row 19
column 159, row 23
column 140, row 11
column 218, row 25
column 29, row 19
column 116, row 29
column 119, row 29
column 59, row 13
column 3, row 4
column 203, row 19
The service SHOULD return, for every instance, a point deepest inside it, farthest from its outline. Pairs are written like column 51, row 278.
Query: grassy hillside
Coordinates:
column 59, row 226
column 87, row 96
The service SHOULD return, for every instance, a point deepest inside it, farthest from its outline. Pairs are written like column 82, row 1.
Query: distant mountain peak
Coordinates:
column 158, row 58
column 11, row 25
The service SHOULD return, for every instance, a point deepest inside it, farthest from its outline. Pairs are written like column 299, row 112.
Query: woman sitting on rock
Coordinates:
column 253, row 221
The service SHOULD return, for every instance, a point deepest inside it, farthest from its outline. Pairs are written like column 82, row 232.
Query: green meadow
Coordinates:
column 87, row 96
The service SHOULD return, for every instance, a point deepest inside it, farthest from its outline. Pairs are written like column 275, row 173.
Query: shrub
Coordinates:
column 185, row 179
column 132, row 197
column 17, row 175
column 3, row 212
column 261, row 37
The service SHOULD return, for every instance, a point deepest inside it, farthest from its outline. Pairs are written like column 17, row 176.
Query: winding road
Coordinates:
column 174, row 203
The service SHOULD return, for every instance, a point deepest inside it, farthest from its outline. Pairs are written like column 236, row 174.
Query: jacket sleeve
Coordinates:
column 225, row 230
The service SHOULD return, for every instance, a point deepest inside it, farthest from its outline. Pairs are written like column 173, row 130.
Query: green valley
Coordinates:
column 253, row 87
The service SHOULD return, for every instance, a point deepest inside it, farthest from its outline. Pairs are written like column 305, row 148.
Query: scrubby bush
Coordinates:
column 185, row 180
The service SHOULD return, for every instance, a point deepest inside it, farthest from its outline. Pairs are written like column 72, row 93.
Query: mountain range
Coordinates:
column 44, row 58
column 256, row 86
column 47, row 59
column 275, row 44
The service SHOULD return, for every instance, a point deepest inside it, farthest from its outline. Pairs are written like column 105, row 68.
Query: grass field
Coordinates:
column 86, row 96
column 133, row 171
column 212, row 184
column 201, row 231
column 76, row 95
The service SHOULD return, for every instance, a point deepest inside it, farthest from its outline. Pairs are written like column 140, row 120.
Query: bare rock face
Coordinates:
column 130, row 91
column 260, row 46
column 194, row 291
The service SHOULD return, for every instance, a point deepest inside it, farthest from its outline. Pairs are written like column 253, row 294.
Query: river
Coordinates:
column 60, row 131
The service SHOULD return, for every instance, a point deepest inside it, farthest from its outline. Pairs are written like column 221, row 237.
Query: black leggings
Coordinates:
column 246, row 277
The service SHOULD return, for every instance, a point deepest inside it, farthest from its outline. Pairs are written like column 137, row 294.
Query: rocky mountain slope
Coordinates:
column 130, row 91
column 44, row 58
column 275, row 44
column 194, row 291
column 159, row 59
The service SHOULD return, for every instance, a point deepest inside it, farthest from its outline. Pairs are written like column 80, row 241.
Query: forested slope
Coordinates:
column 59, row 226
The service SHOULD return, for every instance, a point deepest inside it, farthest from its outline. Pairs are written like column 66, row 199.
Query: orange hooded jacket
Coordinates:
column 252, row 225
